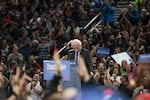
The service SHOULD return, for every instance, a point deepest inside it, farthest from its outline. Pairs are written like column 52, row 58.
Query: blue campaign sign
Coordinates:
column 144, row 58
column 49, row 70
column 103, row 51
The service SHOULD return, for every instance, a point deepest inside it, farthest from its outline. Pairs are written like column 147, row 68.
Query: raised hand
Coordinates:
column 83, row 72
column 1, row 80
column 57, row 62
column 18, row 82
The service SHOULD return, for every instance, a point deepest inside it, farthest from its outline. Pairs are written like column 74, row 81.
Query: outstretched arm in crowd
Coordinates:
column 18, row 83
column 107, row 79
column 56, row 80
column 83, row 72
column 53, row 86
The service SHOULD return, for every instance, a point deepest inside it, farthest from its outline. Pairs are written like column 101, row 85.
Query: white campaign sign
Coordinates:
column 122, row 56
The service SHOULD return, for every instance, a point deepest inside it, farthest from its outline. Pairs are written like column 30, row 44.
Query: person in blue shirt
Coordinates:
column 107, row 13
column 132, row 14
column 24, row 44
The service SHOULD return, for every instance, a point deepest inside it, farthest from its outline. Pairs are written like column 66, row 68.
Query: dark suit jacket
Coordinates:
column 86, row 56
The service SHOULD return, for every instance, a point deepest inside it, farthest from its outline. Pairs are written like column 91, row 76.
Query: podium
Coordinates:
column 70, row 77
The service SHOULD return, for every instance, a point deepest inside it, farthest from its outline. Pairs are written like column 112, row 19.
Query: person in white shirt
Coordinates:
column 115, row 78
column 34, row 88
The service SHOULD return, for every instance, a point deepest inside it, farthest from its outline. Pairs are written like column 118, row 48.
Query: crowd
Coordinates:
column 31, row 30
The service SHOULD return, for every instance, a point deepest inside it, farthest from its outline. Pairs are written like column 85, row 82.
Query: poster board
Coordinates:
column 122, row 56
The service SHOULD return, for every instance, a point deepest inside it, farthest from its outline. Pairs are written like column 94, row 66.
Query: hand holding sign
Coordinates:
column 103, row 51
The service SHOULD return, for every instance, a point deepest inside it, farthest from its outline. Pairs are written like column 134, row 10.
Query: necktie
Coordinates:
column 76, row 56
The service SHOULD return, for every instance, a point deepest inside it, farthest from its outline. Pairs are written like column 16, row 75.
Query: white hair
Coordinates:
column 76, row 41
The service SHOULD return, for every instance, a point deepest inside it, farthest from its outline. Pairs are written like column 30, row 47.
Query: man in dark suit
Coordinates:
column 79, row 51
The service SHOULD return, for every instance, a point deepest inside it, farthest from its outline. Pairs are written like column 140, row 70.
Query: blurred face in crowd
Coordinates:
column 4, row 42
column 81, row 8
column 111, row 37
column 128, row 68
column 24, row 24
column 73, row 24
column 85, row 44
column 124, row 64
column 50, row 34
column 61, row 31
column 116, row 66
column 130, row 7
column 124, row 79
column 44, row 39
column 36, row 77
column 144, row 12
column 15, row 50
column 117, row 49
column 125, row 35
column 2, row 59
column 25, row 34
column 13, row 66
column 100, row 67
column 116, row 71
column 111, row 63
column 76, row 45
column 84, row 37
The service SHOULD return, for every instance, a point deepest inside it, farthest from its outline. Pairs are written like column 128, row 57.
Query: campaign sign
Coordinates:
column 144, row 58
column 103, row 51
column 50, row 67
column 122, row 56
column 75, row 80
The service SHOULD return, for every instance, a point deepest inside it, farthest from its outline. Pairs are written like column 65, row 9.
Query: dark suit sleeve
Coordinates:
column 70, row 56
column 88, row 60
